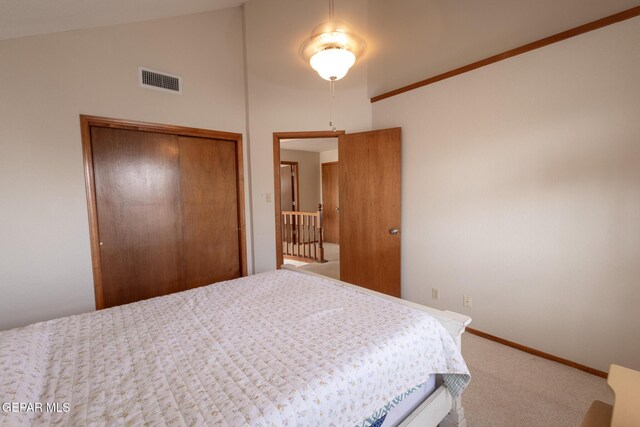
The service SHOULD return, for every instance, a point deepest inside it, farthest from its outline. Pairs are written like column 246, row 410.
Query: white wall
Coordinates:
column 329, row 156
column 46, row 82
column 309, row 177
column 521, row 188
column 285, row 94
column 411, row 40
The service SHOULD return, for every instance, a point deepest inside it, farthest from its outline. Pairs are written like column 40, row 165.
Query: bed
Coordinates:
column 284, row 348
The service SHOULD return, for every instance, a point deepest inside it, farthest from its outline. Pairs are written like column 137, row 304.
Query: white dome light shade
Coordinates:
column 332, row 49
column 332, row 63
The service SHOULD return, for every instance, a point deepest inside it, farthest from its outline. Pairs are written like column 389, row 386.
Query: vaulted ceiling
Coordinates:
column 422, row 37
column 19, row 18
column 429, row 37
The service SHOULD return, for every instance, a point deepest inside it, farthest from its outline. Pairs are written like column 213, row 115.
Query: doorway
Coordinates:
column 306, row 223
column 368, row 208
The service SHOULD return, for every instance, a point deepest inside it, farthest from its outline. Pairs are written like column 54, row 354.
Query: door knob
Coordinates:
column 394, row 231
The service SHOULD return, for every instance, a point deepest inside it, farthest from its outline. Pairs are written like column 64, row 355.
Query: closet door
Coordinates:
column 165, row 208
column 137, row 183
column 210, row 220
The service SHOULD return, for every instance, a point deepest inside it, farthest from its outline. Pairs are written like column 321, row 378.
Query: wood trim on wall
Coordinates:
column 538, row 353
column 576, row 31
column 86, row 122
column 277, row 136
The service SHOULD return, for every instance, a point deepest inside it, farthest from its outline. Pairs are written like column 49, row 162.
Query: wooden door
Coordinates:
column 286, row 188
column 330, row 206
column 289, row 186
column 137, row 181
column 165, row 209
column 289, row 199
column 210, row 220
column 370, row 209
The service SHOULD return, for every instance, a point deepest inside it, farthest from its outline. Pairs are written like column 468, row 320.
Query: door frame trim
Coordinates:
column 87, row 121
column 277, row 136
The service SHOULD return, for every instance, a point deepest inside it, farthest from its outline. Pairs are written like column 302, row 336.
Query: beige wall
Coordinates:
column 309, row 179
column 285, row 94
column 329, row 156
column 521, row 188
column 46, row 82
column 411, row 40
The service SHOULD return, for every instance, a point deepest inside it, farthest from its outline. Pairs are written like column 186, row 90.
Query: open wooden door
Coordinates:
column 370, row 209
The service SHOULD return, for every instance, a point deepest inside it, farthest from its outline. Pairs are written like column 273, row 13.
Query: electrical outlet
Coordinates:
column 435, row 293
column 466, row 301
column 268, row 198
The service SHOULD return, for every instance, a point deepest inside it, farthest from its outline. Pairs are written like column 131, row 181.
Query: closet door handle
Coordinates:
column 394, row 231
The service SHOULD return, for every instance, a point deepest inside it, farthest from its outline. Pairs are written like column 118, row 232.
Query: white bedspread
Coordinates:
column 279, row 348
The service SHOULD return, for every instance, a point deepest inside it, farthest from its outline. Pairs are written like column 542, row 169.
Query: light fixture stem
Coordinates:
column 332, row 95
column 331, row 10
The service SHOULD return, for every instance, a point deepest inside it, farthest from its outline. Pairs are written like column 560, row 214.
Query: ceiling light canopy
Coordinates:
column 332, row 49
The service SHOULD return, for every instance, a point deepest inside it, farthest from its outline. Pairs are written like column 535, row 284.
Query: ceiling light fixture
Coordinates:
column 332, row 48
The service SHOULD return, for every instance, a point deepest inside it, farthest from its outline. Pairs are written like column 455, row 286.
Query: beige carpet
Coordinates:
column 331, row 268
column 511, row 388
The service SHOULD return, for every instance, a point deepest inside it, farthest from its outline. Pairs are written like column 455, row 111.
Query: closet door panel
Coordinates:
column 210, row 222
column 137, row 183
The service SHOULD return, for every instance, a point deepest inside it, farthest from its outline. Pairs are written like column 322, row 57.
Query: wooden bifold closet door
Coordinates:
column 168, row 213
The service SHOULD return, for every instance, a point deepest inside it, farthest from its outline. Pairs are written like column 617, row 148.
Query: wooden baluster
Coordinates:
column 295, row 231
column 293, row 234
column 284, row 233
column 298, row 234
column 313, row 237
column 290, row 236
column 316, row 218
column 307, row 250
column 308, row 236
column 320, row 237
column 289, row 223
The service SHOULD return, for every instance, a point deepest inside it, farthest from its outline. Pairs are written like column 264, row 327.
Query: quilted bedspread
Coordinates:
column 274, row 349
